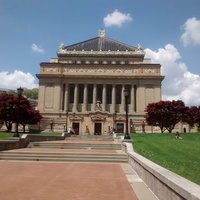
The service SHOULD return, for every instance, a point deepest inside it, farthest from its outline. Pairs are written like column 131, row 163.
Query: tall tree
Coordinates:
column 165, row 114
column 191, row 115
column 197, row 117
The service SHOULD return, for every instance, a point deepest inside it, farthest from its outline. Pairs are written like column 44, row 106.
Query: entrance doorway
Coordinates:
column 97, row 128
column 120, row 128
column 76, row 128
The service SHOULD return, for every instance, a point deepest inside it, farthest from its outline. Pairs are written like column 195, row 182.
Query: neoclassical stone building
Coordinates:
column 84, row 86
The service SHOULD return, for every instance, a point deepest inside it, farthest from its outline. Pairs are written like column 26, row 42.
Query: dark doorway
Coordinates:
column 120, row 128
column 76, row 128
column 97, row 128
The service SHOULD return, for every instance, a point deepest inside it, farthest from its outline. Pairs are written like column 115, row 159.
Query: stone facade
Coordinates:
column 84, row 87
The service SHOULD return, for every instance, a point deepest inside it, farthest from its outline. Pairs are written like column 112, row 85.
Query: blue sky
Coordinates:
column 169, row 31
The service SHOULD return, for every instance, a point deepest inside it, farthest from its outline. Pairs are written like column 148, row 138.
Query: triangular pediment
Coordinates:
column 98, row 117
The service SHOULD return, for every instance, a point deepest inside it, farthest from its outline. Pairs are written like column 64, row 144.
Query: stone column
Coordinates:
column 123, row 99
column 141, row 98
column 104, row 98
column 113, row 98
column 85, row 100
column 75, row 98
column 132, row 93
column 66, row 97
column 94, row 96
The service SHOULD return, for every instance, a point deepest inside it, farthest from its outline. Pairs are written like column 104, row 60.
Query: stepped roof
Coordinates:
column 100, row 43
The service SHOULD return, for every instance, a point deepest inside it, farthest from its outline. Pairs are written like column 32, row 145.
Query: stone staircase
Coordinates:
column 87, row 145
column 63, row 157
column 68, row 151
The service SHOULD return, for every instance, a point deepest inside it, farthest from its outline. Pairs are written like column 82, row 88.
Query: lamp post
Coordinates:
column 19, row 92
column 73, row 121
column 114, row 121
column 66, row 120
column 126, row 94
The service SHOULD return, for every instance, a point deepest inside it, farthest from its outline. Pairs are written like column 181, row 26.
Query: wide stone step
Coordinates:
column 75, row 146
column 63, row 157
column 91, row 137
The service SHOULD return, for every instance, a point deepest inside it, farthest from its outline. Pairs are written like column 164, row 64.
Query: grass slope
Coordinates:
column 179, row 156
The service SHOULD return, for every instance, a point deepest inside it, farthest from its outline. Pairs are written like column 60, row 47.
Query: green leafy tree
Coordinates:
column 29, row 93
column 165, row 114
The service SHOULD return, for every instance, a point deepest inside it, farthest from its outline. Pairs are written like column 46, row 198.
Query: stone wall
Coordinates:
column 16, row 143
column 164, row 183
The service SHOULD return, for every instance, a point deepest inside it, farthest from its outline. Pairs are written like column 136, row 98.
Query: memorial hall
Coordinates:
column 93, row 85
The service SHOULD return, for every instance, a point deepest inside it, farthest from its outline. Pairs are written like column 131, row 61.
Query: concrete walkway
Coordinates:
column 70, row 180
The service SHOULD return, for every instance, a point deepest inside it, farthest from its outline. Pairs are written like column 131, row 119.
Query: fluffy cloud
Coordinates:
column 36, row 48
column 179, row 83
column 117, row 19
column 191, row 33
column 17, row 79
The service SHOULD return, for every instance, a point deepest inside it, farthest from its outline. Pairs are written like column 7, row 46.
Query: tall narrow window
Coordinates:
column 71, row 93
column 99, row 92
column 80, row 93
column 90, row 93
column 128, row 87
column 118, row 94
column 108, row 94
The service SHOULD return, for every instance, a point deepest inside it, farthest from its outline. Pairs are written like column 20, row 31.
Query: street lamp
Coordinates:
column 19, row 92
column 66, row 120
column 114, row 121
column 73, row 121
column 126, row 94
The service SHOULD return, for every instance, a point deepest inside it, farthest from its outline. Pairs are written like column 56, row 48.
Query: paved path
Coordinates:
column 67, row 181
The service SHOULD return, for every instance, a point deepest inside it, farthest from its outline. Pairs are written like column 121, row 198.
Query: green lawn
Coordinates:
column 179, row 156
column 6, row 135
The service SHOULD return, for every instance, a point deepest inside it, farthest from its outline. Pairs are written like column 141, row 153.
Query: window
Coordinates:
column 118, row 94
column 90, row 93
column 71, row 93
column 99, row 92
column 80, row 93
column 108, row 94
column 128, row 87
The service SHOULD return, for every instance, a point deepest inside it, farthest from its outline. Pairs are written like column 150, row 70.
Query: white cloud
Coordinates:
column 17, row 79
column 191, row 33
column 36, row 48
column 179, row 83
column 117, row 19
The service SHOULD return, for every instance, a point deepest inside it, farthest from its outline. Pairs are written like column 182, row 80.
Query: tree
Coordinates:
column 29, row 93
column 8, row 109
column 165, row 114
column 190, row 115
column 32, row 94
column 197, row 117
column 30, row 116
column 12, row 110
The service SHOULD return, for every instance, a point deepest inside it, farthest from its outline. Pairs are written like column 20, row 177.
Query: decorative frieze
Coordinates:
column 63, row 52
column 100, row 70
column 149, row 70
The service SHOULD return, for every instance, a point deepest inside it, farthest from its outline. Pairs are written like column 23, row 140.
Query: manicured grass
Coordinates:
column 180, row 156
column 6, row 135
